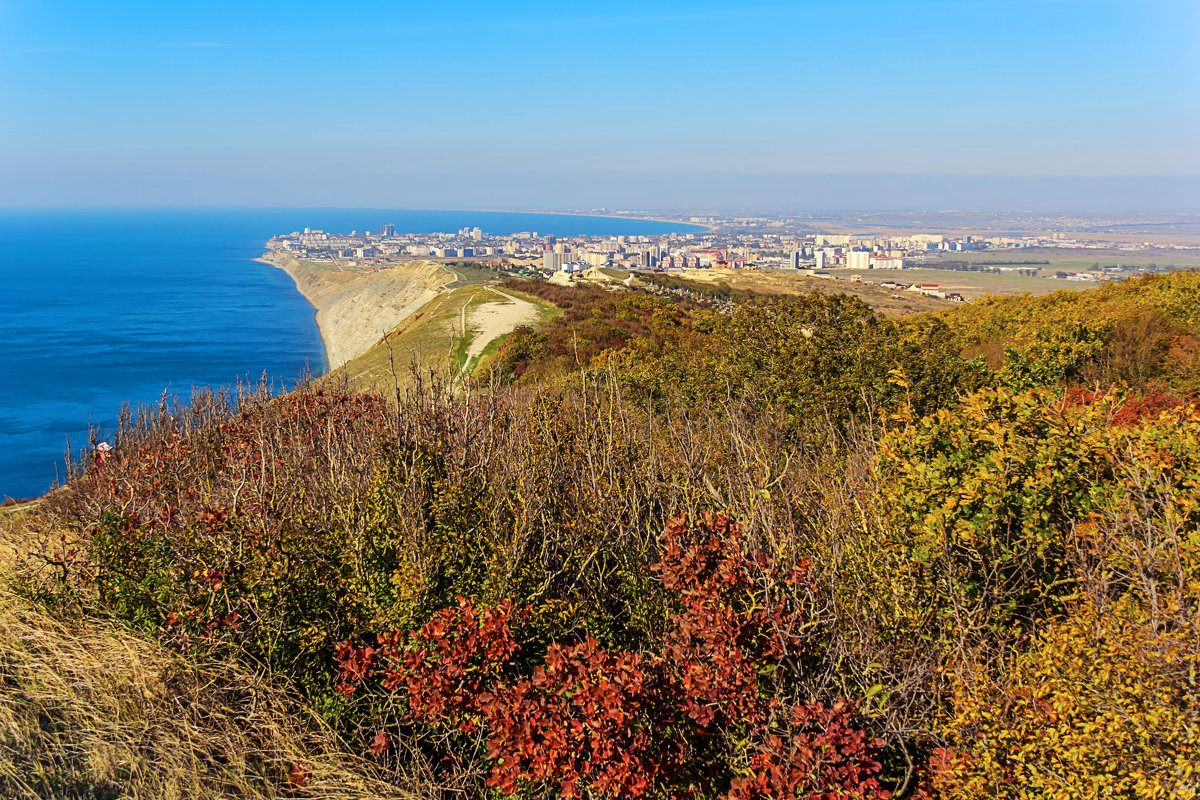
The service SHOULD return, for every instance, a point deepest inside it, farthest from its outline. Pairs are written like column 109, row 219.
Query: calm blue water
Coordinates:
column 99, row 308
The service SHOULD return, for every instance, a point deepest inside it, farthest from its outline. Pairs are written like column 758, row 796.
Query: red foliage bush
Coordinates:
column 1131, row 409
column 695, row 718
column 819, row 754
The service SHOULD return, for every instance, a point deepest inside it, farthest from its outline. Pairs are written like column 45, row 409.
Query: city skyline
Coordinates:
column 1022, row 105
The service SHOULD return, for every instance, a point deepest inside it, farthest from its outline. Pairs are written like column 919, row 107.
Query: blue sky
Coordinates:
column 539, row 104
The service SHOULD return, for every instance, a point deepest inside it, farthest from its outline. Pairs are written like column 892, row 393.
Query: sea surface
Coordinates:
column 104, row 307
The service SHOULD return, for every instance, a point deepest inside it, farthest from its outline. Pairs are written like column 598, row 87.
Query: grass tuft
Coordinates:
column 90, row 710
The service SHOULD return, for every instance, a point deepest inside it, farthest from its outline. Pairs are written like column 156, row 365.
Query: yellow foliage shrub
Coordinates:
column 1101, row 706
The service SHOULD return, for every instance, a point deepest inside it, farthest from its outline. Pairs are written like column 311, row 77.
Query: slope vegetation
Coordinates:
column 747, row 549
column 91, row 710
column 1143, row 330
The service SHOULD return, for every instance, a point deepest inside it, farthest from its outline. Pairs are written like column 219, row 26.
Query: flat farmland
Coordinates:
column 1071, row 259
column 968, row 284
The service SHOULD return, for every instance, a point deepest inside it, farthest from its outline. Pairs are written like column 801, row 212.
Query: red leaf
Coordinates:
column 298, row 776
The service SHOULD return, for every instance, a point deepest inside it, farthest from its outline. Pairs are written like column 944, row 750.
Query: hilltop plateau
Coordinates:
column 782, row 282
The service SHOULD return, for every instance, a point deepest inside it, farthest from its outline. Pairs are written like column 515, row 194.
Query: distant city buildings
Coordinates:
column 735, row 242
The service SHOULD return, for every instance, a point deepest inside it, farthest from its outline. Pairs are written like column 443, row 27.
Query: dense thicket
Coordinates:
column 1140, row 331
column 830, row 349
column 820, row 355
column 797, row 550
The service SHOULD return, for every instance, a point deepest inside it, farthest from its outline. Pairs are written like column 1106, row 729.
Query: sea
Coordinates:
column 100, row 308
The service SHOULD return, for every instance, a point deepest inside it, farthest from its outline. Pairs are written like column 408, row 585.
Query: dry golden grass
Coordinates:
column 90, row 710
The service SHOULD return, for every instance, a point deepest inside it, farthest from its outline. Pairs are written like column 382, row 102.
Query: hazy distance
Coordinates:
column 1088, row 105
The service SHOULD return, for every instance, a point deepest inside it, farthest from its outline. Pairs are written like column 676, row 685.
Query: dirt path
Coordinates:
column 493, row 320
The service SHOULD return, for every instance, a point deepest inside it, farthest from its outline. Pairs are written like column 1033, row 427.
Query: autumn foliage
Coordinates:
column 705, row 709
column 792, row 550
column 1100, row 706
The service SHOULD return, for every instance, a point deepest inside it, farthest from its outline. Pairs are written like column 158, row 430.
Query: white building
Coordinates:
column 858, row 259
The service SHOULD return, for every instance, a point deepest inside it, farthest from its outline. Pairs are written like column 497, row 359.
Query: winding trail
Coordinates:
column 492, row 320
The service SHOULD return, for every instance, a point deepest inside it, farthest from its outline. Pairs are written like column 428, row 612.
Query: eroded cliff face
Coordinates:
column 355, row 308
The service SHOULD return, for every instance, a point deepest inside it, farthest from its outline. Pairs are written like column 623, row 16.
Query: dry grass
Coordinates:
column 91, row 710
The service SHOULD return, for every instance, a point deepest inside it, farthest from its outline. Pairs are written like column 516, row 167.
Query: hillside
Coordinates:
column 721, row 547
column 448, row 335
column 1140, row 331
column 356, row 307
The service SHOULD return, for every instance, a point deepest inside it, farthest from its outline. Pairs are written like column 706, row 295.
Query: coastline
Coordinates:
column 266, row 259
column 700, row 225
column 354, row 310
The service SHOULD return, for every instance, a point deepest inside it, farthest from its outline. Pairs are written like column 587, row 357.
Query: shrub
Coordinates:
column 712, row 709
column 1006, row 504
column 985, row 498
column 1101, row 706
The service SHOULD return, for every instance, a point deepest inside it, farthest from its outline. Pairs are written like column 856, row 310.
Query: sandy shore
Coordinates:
column 355, row 309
